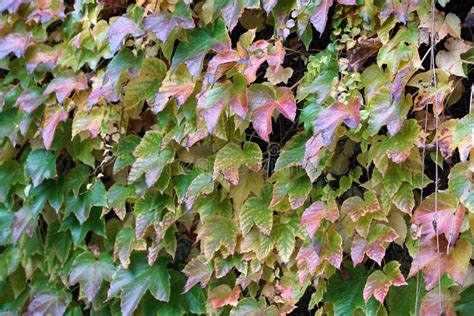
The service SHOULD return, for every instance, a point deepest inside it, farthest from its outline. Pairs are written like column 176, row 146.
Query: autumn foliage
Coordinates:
column 236, row 157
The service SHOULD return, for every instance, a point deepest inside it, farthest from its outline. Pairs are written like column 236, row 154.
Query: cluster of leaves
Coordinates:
column 141, row 169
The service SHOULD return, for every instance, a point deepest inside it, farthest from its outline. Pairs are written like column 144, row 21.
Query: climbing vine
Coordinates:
column 236, row 157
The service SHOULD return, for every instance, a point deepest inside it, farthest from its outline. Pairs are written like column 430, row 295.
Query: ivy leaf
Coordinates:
column 448, row 216
column 378, row 283
column 232, row 157
column 149, row 210
column 345, row 293
column 357, row 208
column 88, row 121
column 374, row 245
column 405, row 293
column 117, row 197
column 465, row 306
column 223, row 295
column 404, row 199
column 90, row 271
column 135, row 281
column 433, row 301
column 211, row 103
column 398, row 147
column 64, row 84
column 294, row 184
column 151, row 158
column 263, row 100
column 256, row 211
column 450, row 59
column 162, row 24
column 119, row 29
column 124, row 152
column 325, row 247
column 197, row 271
column 48, row 303
column 202, row 184
column 331, row 117
column 124, row 244
column 24, row 222
column 292, row 154
column 232, row 11
column 461, row 183
column 40, row 165
column 216, row 233
column 15, row 43
column 462, row 137
column 199, row 42
column 454, row 263
column 10, row 5
column 30, row 100
column 53, row 115
column 284, row 235
column 146, row 84
column 312, row 216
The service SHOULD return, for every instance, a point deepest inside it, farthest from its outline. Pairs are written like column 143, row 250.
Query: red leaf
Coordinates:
column 264, row 100
column 263, row 51
column 448, row 217
column 53, row 115
column 331, row 117
column 219, row 65
column 378, row 283
column 197, row 271
column 162, row 24
column 312, row 216
column 453, row 262
column 374, row 245
column 15, row 43
column 117, row 32
column 64, row 85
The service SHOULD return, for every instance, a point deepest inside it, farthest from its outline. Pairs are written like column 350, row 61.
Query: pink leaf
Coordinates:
column 29, row 100
column 10, row 5
column 15, row 43
column 448, row 217
column 219, row 65
column 180, row 92
column 320, row 16
column 117, row 32
column 432, row 301
column 162, row 24
column 64, row 85
column 264, row 100
column 454, row 262
column 312, row 152
column 106, row 91
column 374, row 245
column 43, row 55
column 378, row 283
column 53, row 115
column 312, row 216
column 330, row 118
column 46, row 10
column 268, row 5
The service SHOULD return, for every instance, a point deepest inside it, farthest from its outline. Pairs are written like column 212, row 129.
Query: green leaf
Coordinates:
column 292, row 154
column 40, row 165
column 216, row 233
column 90, row 271
column 147, row 83
column 256, row 211
column 284, row 235
column 139, row 278
column 231, row 157
column 124, row 244
column 124, row 152
column 295, row 184
column 151, row 158
column 407, row 295
column 117, row 197
column 346, row 293
column 199, row 42
column 465, row 306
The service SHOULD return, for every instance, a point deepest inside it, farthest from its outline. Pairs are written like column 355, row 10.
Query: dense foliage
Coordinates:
column 240, row 157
